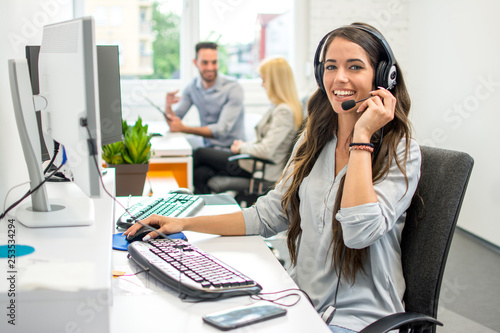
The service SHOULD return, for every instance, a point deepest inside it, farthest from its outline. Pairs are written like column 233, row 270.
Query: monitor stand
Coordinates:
column 66, row 212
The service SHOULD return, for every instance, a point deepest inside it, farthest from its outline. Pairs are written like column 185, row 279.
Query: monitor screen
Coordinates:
column 69, row 102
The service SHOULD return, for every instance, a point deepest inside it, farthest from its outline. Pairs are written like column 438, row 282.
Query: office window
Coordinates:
column 166, row 32
column 247, row 32
column 115, row 16
column 148, row 31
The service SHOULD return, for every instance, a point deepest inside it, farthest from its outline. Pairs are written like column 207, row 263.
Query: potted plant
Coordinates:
column 130, row 158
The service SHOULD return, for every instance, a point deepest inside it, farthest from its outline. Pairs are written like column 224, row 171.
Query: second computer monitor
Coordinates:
column 109, row 92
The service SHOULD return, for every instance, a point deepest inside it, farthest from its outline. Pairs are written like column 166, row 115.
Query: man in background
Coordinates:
column 218, row 98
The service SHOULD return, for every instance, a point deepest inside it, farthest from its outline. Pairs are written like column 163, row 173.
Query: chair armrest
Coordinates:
column 400, row 320
column 248, row 157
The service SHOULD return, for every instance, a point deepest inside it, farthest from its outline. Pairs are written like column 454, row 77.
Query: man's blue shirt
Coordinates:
column 220, row 108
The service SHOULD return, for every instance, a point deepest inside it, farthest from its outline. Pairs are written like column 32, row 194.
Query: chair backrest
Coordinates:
column 430, row 224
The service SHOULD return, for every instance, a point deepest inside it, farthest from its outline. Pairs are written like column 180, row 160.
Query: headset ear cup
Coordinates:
column 381, row 76
column 392, row 76
column 318, row 73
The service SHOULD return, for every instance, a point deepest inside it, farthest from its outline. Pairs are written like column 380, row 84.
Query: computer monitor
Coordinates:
column 69, row 101
column 110, row 105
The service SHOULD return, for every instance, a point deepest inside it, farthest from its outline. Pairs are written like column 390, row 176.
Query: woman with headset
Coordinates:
column 275, row 132
column 344, row 193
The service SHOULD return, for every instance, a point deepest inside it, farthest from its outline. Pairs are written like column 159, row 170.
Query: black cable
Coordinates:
column 56, row 151
column 30, row 192
column 339, row 278
column 379, row 143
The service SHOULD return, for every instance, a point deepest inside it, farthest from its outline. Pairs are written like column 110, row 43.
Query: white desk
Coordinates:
column 170, row 144
column 141, row 304
column 65, row 285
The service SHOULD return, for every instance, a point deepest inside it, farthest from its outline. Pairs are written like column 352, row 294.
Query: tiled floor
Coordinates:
column 470, row 292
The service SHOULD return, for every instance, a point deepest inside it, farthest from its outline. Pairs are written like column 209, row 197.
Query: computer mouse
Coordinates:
column 182, row 190
column 139, row 235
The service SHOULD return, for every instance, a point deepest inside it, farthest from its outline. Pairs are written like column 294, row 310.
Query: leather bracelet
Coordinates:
column 361, row 147
column 353, row 144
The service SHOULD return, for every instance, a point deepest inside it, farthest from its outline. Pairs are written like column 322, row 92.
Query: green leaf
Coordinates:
column 135, row 148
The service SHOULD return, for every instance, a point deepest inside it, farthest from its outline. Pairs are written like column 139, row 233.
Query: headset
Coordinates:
column 385, row 74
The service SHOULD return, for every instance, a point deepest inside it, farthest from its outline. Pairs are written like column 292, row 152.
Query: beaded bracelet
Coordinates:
column 361, row 144
column 361, row 147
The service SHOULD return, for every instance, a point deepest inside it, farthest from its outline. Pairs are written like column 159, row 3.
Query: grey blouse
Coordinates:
column 379, row 290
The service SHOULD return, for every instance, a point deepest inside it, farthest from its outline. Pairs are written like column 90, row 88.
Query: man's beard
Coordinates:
column 211, row 78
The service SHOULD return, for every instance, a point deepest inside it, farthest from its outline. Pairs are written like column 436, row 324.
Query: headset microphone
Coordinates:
column 347, row 105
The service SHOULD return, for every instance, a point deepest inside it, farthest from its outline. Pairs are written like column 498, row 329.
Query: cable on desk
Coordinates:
column 259, row 297
column 27, row 194
column 8, row 192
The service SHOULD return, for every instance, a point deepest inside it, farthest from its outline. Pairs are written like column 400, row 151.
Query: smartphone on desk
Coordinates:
column 243, row 315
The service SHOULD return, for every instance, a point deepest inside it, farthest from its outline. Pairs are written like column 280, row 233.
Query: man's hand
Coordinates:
column 170, row 99
column 175, row 123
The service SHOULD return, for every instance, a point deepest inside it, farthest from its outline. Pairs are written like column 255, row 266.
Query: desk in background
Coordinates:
column 142, row 304
column 171, row 153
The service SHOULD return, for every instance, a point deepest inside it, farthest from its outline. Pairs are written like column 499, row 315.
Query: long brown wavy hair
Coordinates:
column 321, row 127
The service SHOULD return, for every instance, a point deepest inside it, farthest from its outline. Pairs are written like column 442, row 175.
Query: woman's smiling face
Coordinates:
column 348, row 73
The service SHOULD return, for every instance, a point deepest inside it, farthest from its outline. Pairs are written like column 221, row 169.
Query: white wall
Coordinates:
column 20, row 24
column 455, row 86
column 449, row 53
column 389, row 16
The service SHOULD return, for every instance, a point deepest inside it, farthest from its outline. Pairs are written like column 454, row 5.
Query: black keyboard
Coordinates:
column 174, row 205
column 190, row 270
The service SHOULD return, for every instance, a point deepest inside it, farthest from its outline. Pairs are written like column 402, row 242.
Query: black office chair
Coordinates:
column 247, row 189
column 430, row 224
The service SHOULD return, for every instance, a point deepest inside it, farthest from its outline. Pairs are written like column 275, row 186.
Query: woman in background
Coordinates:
column 275, row 132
